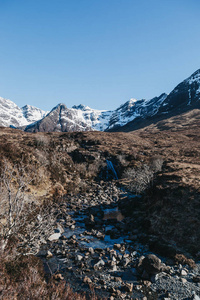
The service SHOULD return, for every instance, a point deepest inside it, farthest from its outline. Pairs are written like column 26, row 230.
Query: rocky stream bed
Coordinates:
column 94, row 248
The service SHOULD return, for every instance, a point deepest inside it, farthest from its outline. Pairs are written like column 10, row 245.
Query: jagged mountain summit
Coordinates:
column 33, row 114
column 84, row 118
column 184, row 97
column 131, row 115
column 12, row 115
column 60, row 119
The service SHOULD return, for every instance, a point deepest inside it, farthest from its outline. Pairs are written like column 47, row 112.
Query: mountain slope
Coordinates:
column 12, row 115
column 32, row 113
column 185, row 97
column 60, row 119
column 132, row 115
column 135, row 109
column 84, row 118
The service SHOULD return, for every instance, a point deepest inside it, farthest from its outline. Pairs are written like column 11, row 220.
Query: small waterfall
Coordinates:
column 111, row 168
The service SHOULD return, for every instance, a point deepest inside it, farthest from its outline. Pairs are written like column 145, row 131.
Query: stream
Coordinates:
column 97, row 249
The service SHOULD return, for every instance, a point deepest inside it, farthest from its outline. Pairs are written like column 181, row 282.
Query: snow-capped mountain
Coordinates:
column 12, row 115
column 84, row 118
column 132, row 115
column 96, row 119
column 134, row 109
column 61, row 119
column 32, row 113
column 184, row 96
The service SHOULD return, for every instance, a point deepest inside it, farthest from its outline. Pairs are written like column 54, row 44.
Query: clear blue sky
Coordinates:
column 96, row 52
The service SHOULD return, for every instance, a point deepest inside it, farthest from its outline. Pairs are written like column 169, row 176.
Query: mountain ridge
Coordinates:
column 131, row 115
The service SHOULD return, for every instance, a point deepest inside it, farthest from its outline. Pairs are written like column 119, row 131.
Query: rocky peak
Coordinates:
column 32, row 113
column 81, row 107
column 186, row 93
column 135, row 113
column 194, row 77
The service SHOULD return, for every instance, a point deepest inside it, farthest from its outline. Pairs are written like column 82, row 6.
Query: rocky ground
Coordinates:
column 107, row 231
column 94, row 248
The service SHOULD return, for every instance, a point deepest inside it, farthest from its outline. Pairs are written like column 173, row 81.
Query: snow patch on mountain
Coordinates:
column 83, row 118
column 195, row 77
column 13, row 115
column 33, row 114
column 133, row 109
column 96, row 119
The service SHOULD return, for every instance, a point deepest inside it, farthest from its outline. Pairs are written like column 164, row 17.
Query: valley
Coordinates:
column 106, row 226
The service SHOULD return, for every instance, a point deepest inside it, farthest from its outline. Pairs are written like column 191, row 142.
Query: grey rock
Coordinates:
column 152, row 264
column 79, row 257
column 54, row 236
column 99, row 264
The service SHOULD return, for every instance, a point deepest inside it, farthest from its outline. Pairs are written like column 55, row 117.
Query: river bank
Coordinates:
column 96, row 248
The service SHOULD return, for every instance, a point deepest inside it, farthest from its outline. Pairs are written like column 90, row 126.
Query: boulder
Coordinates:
column 151, row 264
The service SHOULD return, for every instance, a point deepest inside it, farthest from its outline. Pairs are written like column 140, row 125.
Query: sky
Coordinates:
column 98, row 53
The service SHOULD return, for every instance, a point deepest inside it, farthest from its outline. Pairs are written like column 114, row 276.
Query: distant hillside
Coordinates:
column 131, row 115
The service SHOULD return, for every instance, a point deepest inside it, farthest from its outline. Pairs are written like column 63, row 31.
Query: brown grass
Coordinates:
column 70, row 160
column 22, row 277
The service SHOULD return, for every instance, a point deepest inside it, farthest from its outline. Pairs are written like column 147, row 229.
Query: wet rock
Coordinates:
column 196, row 279
column 63, row 237
column 118, row 279
column 151, row 264
column 114, row 268
column 194, row 296
column 112, row 253
column 87, row 280
column 79, row 257
column 91, row 250
column 126, row 261
column 128, row 287
column 54, row 236
column 99, row 250
column 165, row 268
column 100, row 235
column 155, row 277
column 89, row 222
column 99, row 264
column 114, row 258
column 183, row 272
column 117, row 246
column 49, row 254
column 147, row 283
column 183, row 280
column 138, row 287
column 111, row 263
column 122, row 249
column 112, row 290
column 139, row 266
